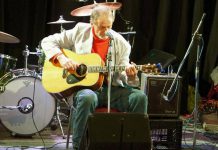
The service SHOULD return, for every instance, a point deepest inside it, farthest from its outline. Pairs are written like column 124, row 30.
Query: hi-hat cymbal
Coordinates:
column 60, row 21
column 7, row 38
column 86, row 10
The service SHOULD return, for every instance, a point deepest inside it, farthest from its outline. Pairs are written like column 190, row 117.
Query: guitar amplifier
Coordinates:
column 156, row 87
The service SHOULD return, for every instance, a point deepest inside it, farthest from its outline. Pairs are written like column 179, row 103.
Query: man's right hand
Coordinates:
column 67, row 63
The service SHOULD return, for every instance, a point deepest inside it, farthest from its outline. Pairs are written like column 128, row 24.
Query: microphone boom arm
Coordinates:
column 186, row 54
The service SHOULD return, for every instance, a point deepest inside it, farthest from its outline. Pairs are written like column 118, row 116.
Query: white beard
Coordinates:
column 101, row 37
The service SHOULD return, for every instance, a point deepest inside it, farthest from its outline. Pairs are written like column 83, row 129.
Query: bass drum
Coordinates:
column 28, row 108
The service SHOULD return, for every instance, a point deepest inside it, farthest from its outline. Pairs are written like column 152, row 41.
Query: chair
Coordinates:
column 69, row 127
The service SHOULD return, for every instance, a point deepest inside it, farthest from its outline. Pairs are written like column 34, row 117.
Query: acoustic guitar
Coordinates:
column 89, row 74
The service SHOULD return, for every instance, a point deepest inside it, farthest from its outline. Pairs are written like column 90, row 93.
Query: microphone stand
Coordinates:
column 195, row 36
column 186, row 54
column 108, row 63
column 199, row 36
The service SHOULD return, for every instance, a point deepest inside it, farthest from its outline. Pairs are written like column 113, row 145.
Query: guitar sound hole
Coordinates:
column 81, row 70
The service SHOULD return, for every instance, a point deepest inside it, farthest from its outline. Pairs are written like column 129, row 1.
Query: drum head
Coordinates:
column 36, row 106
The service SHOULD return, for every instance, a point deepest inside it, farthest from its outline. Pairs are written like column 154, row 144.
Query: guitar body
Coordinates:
column 54, row 82
column 89, row 74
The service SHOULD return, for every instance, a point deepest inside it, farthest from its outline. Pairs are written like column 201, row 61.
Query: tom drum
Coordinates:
column 6, row 63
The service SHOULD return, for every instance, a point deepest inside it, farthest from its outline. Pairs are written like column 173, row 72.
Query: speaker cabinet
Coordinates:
column 117, row 131
column 156, row 87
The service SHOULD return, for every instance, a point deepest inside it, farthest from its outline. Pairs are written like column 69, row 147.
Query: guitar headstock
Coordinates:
column 150, row 68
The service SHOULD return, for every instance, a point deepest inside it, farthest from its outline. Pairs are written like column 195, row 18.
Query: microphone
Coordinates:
column 172, row 90
column 109, row 35
column 166, row 97
column 26, row 108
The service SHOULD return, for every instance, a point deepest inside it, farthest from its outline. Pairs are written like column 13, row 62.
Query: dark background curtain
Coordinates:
column 166, row 25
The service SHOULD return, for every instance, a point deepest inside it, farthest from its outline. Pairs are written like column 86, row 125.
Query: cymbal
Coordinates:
column 60, row 21
column 7, row 38
column 87, row 10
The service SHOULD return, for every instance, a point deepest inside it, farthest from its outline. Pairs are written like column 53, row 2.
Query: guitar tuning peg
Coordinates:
column 159, row 66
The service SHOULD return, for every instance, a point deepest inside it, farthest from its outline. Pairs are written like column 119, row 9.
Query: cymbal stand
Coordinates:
column 61, row 28
column 129, row 28
column 127, row 34
column 61, row 21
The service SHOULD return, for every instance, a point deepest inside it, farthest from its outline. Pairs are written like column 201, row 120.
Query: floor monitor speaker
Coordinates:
column 117, row 131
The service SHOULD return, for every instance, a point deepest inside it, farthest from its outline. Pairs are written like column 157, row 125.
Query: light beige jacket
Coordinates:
column 80, row 39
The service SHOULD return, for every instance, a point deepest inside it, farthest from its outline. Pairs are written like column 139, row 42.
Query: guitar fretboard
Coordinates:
column 103, row 69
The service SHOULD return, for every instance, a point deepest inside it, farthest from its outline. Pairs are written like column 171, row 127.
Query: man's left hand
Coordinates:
column 131, row 71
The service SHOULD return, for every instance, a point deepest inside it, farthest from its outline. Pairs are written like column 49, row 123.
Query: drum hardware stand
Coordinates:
column 59, row 120
column 58, row 115
column 26, row 54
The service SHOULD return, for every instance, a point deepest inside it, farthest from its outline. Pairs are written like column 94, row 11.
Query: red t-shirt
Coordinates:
column 100, row 46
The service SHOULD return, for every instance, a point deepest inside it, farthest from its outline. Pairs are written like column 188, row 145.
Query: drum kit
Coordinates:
column 23, row 101
column 25, row 107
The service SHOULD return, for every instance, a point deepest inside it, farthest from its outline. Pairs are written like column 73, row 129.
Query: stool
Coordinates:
column 105, row 109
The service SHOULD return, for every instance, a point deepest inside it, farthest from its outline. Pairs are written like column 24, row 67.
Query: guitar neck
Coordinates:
column 103, row 69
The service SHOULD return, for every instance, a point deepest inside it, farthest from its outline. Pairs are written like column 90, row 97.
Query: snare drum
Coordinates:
column 35, row 107
column 6, row 63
